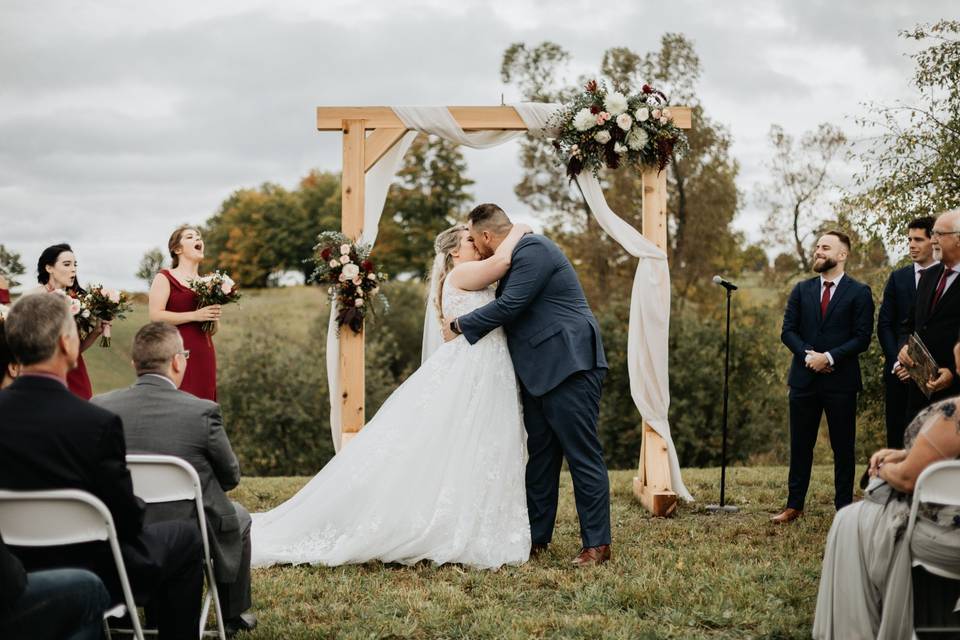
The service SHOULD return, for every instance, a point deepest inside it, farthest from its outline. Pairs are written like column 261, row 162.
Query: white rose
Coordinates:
column 603, row 137
column 344, row 259
column 615, row 103
column 656, row 114
column 664, row 120
column 584, row 120
column 624, row 121
column 334, row 264
column 619, row 148
column 86, row 313
column 344, row 249
column 226, row 288
column 351, row 271
column 112, row 295
column 642, row 114
column 372, row 276
column 358, row 302
column 637, row 139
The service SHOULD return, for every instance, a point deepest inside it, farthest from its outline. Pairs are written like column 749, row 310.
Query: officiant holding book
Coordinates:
column 936, row 316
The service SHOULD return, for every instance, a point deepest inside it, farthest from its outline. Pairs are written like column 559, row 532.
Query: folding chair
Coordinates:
column 61, row 517
column 938, row 484
column 159, row 479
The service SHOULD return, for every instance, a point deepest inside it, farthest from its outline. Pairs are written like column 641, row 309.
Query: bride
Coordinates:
column 438, row 472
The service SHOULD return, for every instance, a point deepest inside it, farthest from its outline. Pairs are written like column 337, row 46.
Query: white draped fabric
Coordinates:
column 650, row 298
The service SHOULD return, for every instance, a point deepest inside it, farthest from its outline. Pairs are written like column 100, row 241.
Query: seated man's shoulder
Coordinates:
column 192, row 402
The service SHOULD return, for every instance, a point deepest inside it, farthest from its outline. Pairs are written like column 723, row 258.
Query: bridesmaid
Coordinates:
column 4, row 290
column 57, row 269
column 172, row 301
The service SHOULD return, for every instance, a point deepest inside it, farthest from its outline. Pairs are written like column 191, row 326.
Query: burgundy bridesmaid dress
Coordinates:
column 201, row 376
column 78, row 381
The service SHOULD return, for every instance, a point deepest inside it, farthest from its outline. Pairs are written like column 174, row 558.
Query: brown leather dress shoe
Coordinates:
column 786, row 516
column 590, row 556
column 537, row 549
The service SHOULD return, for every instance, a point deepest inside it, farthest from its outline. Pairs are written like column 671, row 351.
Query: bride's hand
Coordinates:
column 448, row 333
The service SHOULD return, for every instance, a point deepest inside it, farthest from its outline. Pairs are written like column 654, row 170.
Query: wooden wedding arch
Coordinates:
column 368, row 134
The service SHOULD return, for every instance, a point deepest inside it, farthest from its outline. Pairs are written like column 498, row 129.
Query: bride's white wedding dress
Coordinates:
column 437, row 474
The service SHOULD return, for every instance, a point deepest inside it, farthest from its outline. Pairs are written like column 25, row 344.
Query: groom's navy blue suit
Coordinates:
column 557, row 353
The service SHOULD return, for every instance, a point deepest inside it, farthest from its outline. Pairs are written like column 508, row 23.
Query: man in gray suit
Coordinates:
column 160, row 419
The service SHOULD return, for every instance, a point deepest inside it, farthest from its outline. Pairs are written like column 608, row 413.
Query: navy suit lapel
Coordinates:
column 813, row 298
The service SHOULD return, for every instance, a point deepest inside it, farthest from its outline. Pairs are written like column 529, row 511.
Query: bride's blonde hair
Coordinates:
column 446, row 243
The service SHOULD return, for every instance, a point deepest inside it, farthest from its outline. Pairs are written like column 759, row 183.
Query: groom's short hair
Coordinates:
column 490, row 217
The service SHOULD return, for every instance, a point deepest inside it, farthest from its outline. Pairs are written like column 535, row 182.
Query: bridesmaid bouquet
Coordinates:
column 351, row 277
column 216, row 288
column 106, row 305
column 85, row 320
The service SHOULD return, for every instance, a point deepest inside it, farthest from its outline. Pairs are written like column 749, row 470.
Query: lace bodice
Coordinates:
column 457, row 302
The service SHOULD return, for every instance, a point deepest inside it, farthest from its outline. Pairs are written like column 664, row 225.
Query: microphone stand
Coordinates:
column 723, row 507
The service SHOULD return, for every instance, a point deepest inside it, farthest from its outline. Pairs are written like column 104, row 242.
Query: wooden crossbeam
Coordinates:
column 503, row 118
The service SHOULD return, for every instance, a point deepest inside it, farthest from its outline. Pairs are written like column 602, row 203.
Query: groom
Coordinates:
column 555, row 345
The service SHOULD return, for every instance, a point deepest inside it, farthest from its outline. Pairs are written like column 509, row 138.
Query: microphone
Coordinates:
column 726, row 284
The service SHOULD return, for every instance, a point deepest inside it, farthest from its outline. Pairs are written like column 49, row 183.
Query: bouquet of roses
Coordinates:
column 85, row 320
column 106, row 305
column 216, row 288
column 352, row 278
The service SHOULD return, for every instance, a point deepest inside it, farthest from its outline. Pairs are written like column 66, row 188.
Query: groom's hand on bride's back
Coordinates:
column 448, row 333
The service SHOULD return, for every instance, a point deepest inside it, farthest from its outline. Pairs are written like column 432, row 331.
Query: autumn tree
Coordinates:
column 912, row 166
column 703, row 196
column 796, row 198
column 150, row 265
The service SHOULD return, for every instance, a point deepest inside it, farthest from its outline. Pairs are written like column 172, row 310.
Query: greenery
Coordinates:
column 10, row 266
column 912, row 167
column 690, row 576
column 150, row 265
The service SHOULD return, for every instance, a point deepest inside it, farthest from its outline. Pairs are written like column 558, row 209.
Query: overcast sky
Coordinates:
column 120, row 120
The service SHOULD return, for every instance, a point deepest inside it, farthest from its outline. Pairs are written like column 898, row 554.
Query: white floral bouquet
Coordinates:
column 216, row 288
column 86, row 321
column 607, row 129
column 106, row 305
column 352, row 277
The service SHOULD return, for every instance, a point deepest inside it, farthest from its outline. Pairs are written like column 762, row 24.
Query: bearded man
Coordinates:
column 827, row 324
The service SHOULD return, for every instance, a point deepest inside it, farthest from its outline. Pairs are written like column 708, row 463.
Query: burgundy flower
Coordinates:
column 647, row 89
column 591, row 86
column 325, row 254
column 366, row 265
column 594, row 109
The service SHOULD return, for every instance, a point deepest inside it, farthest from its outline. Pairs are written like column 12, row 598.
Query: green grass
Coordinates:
column 296, row 308
column 694, row 575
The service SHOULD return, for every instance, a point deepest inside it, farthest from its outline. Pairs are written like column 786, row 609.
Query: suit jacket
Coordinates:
column 551, row 331
column 937, row 327
column 51, row 439
column 899, row 296
column 13, row 579
column 160, row 419
column 845, row 332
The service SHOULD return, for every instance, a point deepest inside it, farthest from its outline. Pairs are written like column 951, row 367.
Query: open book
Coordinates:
column 924, row 367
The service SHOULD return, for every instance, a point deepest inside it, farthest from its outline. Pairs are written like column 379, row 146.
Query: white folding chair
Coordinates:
column 938, row 484
column 61, row 517
column 159, row 479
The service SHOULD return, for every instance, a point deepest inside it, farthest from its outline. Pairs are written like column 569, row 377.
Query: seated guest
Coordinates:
column 158, row 418
column 51, row 439
column 866, row 589
column 9, row 369
column 49, row 605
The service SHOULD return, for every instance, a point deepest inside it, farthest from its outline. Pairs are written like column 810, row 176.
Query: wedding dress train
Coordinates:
column 437, row 473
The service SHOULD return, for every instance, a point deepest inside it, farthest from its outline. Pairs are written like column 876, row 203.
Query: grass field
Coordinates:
column 694, row 575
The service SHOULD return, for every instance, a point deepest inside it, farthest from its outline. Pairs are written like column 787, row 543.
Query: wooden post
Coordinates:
column 351, row 344
column 653, row 484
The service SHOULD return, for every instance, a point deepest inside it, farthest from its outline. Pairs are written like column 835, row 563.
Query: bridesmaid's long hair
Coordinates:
column 174, row 242
column 49, row 258
column 445, row 244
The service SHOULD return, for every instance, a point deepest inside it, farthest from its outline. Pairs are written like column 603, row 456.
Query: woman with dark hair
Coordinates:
column 9, row 369
column 172, row 301
column 57, row 271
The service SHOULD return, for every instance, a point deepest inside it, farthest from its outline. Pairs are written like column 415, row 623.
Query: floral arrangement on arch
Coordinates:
column 607, row 129
column 351, row 277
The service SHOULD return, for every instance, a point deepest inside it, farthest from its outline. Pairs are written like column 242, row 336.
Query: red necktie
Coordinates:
column 825, row 298
column 941, row 287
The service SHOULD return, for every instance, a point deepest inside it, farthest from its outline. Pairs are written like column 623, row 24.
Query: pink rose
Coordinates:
column 226, row 288
column 113, row 295
column 358, row 302
column 656, row 114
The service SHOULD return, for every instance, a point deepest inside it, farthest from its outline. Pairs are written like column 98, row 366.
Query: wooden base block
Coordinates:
column 660, row 503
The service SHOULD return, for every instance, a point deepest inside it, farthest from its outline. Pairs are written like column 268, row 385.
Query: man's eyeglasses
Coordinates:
column 939, row 234
column 185, row 353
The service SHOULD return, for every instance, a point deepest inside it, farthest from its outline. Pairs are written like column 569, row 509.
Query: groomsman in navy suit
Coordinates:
column 827, row 324
column 899, row 296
